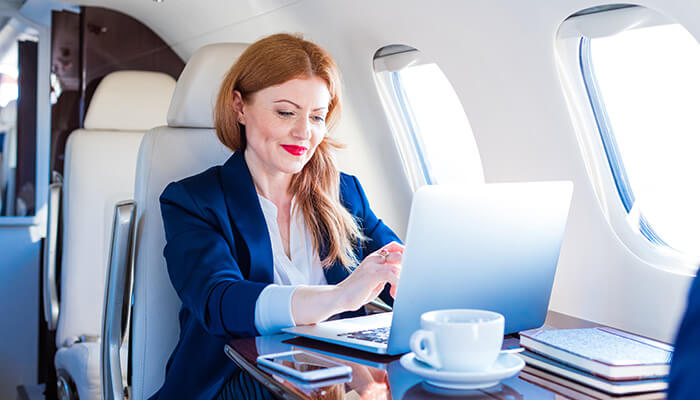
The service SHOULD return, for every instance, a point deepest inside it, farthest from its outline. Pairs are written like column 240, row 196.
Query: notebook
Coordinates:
column 613, row 387
column 578, row 391
column 606, row 352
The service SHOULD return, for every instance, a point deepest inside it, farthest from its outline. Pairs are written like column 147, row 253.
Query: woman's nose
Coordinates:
column 302, row 129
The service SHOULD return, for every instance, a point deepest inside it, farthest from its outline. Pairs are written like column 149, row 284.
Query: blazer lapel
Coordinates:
column 245, row 213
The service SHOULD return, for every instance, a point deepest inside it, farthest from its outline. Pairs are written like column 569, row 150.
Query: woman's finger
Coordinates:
column 393, row 247
column 390, row 274
column 377, row 289
column 393, row 258
column 386, row 255
column 392, row 291
column 379, row 256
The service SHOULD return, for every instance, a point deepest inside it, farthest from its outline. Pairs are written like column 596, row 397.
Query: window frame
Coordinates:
column 411, row 126
column 43, row 125
column 600, row 152
column 607, row 137
column 388, row 63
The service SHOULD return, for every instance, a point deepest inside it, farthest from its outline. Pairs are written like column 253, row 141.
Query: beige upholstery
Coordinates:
column 99, row 170
column 115, row 106
column 168, row 154
column 82, row 362
column 200, row 80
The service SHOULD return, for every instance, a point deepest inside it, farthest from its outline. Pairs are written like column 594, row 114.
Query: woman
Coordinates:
column 271, row 238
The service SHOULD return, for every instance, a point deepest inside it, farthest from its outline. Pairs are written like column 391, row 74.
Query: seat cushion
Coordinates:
column 81, row 361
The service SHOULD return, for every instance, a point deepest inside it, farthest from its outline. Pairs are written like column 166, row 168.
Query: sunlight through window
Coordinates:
column 649, row 86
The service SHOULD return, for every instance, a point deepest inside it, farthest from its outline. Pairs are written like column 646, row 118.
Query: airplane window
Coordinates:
column 18, row 87
column 427, row 119
column 644, row 88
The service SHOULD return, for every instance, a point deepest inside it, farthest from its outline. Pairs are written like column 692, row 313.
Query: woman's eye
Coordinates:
column 285, row 113
column 318, row 118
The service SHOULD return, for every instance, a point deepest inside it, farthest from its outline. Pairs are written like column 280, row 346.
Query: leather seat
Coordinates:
column 188, row 145
column 100, row 166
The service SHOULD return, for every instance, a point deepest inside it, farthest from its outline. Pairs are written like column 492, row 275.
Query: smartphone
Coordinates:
column 303, row 365
column 305, row 385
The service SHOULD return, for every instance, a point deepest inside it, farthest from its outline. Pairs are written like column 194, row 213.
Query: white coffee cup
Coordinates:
column 459, row 340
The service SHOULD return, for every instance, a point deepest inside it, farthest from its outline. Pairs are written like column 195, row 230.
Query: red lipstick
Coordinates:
column 294, row 150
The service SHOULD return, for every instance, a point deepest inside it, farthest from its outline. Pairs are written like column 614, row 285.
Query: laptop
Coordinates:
column 493, row 247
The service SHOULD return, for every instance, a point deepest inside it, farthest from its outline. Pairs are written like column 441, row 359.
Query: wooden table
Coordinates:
column 383, row 377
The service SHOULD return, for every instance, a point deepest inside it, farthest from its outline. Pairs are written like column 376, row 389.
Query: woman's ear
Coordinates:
column 239, row 106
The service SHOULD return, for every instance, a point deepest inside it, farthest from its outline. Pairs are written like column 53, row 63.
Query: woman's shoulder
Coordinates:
column 351, row 193
column 349, row 184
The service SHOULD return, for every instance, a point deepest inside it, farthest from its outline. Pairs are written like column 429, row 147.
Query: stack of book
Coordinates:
column 608, row 360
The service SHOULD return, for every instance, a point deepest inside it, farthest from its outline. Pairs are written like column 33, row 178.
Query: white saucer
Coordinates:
column 505, row 366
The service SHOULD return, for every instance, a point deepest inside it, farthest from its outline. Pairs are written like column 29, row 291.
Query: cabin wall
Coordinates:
column 20, row 242
column 19, row 310
column 500, row 56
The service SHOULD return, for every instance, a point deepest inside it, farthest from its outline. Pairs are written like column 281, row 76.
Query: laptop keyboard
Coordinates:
column 377, row 335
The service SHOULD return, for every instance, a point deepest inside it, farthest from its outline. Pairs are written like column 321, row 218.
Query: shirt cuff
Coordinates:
column 273, row 309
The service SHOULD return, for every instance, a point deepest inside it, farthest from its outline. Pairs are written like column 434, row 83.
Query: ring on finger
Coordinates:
column 383, row 253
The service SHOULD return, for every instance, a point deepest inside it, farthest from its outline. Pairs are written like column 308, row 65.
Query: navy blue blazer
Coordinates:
column 684, row 377
column 219, row 259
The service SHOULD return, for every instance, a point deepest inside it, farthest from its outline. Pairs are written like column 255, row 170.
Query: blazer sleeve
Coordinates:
column 684, row 375
column 202, row 269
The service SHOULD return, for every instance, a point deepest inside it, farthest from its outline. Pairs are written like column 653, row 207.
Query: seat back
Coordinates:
column 99, row 170
column 187, row 146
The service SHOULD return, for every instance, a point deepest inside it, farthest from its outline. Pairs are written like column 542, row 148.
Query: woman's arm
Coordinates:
column 311, row 304
column 203, row 272
column 376, row 274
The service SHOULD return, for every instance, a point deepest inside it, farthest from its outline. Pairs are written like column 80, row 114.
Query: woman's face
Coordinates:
column 284, row 124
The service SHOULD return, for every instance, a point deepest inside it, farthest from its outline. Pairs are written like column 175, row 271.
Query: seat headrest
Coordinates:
column 130, row 101
column 198, row 86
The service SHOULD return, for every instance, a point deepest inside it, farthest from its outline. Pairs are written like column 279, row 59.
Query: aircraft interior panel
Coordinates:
column 518, row 72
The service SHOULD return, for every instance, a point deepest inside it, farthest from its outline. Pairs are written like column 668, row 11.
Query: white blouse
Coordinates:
column 273, row 309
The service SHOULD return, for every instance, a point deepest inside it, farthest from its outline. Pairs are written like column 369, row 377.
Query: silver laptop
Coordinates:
column 492, row 247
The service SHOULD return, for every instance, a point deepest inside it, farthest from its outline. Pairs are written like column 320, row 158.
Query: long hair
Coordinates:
column 272, row 61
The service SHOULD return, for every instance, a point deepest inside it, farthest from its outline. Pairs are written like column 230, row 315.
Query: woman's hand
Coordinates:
column 369, row 278
column 311, row 304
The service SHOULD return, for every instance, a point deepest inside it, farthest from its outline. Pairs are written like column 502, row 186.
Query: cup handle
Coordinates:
column 423, row 346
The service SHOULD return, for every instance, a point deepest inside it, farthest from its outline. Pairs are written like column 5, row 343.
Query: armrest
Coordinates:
column 117, row 299
column 49, row 276
column 377, row 306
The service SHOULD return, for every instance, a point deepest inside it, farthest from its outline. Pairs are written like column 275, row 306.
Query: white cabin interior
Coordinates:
column 515, row 70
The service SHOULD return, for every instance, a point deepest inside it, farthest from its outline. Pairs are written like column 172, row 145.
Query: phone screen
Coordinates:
column 302, row 362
